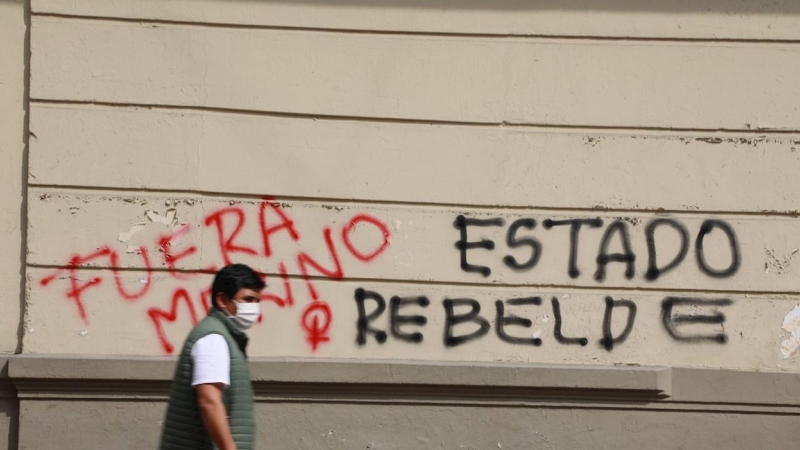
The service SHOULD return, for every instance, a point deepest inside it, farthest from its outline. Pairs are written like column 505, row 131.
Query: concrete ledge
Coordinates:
column 656, row 379
column 80, row 367
column 147, row 378
column 356, row 372
column 379, row 380
column 730, row 386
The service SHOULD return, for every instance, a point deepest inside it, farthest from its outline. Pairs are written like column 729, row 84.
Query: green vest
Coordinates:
column 183, row 425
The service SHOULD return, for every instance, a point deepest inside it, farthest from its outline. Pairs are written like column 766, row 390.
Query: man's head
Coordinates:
column 235, row 285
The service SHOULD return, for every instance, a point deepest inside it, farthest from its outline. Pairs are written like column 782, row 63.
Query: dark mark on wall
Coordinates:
column 634, row 221
column 592, row 140
column 710, row 140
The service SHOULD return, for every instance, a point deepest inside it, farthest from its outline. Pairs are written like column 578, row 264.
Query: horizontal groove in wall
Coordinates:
column 154, row 22
column 664, row 407
column 552, row 401
column 456, row 155
column 344, row 392
column 93, row 70
column 544, row 126
column 432, row 232
column 351, row 201
column 489, row 286
column 589, row 403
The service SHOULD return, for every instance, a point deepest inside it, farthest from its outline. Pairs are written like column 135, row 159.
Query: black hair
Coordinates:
column 233, row 277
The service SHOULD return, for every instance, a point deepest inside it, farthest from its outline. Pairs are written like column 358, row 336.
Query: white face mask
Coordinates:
column 246, row 315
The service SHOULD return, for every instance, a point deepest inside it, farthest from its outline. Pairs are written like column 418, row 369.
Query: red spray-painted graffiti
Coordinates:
column 157, row 315
column 228, row 223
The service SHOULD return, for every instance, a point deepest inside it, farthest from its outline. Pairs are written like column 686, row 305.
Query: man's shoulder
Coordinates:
column 209, row 325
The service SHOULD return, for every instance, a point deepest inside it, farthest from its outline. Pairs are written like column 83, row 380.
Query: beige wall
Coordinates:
column 12, row 200
column 13, row 169
column 383, row 138
column 171, row 137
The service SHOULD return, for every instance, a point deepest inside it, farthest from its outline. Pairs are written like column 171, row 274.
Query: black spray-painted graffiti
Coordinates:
column 464, row 321
column 616, row 231
column 671, row 321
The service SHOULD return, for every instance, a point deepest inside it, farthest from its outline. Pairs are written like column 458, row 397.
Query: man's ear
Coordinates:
column 219, row 300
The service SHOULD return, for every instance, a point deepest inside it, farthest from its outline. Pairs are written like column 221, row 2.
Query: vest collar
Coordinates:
column 238, row 335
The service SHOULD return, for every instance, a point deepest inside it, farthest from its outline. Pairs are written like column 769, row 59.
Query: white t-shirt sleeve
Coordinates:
column 212, row 361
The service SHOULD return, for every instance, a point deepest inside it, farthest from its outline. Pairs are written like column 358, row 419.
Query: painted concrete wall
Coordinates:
column 527, row 187
column 423, row 164
column 12, row 199
column 12, row 171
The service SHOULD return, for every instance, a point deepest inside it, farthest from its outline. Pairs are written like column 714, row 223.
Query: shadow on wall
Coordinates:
column 9, row 404
column 9, row 414
column 667, row 6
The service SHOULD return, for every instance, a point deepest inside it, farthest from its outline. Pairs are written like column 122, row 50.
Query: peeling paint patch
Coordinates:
column 170, row 218
column 779, row 265
column 791, row 323
column 405, row 259
column 125, row 236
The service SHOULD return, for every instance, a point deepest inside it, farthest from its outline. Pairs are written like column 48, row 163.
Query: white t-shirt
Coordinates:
column 212, row 361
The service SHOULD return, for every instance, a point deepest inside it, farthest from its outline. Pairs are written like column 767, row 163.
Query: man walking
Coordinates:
column 211, row 402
